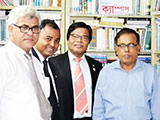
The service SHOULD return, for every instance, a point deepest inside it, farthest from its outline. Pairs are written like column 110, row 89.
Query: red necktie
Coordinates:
column 80, row 89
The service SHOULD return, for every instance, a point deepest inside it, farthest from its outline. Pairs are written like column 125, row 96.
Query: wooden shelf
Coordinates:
column 108, row 16
column 3, row 42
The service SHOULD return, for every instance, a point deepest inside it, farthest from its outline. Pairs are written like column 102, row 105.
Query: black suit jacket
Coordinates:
column 60, row 67
column 56, row 115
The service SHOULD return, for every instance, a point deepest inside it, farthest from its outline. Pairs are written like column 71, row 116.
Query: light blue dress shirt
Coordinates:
column 133, row 95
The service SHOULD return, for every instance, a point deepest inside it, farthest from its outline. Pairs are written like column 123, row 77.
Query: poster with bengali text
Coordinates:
column 115, row 7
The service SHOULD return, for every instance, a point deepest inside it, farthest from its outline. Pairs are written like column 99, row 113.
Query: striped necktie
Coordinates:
column 45, row 107
column 80, row 89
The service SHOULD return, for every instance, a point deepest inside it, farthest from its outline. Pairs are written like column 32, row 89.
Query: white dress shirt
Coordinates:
column 46, row 83
column 18, row 100
column 88, row 82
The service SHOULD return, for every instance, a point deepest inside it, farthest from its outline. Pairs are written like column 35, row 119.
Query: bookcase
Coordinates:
column 155, row 46
column 52, row 9
column 106, row 18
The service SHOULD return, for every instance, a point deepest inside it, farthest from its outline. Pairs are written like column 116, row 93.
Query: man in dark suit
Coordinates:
column 64, row 68
column 47, row 45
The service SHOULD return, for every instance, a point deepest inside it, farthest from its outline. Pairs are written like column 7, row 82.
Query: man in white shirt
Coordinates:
column 47, row 45
column 18, row 99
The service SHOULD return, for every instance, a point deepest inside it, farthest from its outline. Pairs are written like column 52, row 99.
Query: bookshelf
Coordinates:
column 141, row 10
column 155, row 46
column 108, row 17
column 55, row 9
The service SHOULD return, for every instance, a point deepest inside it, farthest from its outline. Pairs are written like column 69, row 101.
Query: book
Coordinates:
column 138, row 21
column 148, row 7
column 112, row 22
column 93, row 44
column 147, row 45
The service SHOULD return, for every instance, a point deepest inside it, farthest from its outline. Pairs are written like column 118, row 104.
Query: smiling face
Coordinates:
column 127, row 55
column 78, row 45
column 24, row 40
column 48, row 42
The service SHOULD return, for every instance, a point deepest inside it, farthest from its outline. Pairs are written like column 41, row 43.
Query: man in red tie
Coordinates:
column 76, row 74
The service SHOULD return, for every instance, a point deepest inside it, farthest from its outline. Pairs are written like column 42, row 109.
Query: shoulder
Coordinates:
column 109, row 68
column 6, row 57
column 7, row 62
column 58, row 58
column 58, row 61
column 147, row 67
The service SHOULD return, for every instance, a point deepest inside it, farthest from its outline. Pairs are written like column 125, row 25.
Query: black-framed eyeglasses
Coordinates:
column 26, row 28
column 83, row 37
column 130, row 46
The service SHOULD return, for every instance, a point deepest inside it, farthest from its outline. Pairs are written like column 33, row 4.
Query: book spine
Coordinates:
column 147, row 45
column 148, row 7
column 3, row 29
column 138, row 7
column 3, row 3
column 89, row 4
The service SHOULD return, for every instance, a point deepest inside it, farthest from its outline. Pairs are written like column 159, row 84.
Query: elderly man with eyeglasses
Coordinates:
column 21, row 93
column 127, row 89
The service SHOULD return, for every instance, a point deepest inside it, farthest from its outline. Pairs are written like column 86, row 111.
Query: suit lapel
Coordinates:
column 67, row 73
column 35, row 53
column 92, row 69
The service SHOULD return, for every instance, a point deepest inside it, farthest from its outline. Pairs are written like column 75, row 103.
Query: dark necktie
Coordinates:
column 52, row 98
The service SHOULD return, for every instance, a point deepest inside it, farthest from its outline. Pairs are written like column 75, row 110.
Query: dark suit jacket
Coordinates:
column 60, row 67
column 56, row 107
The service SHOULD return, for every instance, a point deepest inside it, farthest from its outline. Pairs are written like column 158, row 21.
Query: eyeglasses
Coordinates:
column 83, row 37
column 130, row 46
column 26, row 28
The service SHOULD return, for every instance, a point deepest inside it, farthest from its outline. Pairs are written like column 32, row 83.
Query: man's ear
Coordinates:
column 10, row 28
column 116, row 50
column 139, row 48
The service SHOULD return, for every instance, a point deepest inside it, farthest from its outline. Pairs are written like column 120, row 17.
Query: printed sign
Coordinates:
column 115, row 7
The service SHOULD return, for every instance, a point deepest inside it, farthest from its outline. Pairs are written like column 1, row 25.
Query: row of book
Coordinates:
column 105, row 31
column 103, row 38
column 84, row 6
column 55, row 3
column 111, row 7
column 141, row 7
column 106, row 59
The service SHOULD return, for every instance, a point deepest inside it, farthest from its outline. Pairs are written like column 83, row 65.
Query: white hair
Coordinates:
column 22, row 11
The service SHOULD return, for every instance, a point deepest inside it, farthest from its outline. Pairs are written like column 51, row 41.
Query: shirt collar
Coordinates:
column 39, row 55
column 118, row 65
column 71, row 56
